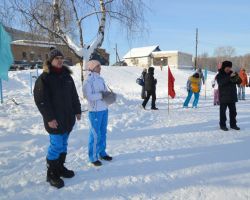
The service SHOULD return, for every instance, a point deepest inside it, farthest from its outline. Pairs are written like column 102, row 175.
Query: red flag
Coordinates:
column 171, row 80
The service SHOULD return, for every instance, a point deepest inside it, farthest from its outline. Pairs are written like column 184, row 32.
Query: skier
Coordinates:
column 227, row 80
column 57, row 100
column 193, row 87
column 150, row 87
column 243, row 85
column 95, row 92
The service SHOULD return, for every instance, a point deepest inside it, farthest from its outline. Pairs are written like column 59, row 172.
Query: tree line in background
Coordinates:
column 221, row 54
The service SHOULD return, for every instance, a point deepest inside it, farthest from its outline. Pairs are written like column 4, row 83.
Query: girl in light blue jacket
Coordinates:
column 94, row 90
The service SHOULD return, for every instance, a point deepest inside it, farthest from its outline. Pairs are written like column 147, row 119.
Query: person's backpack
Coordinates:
column 110, row 97
column 195, row 85
column 140, row 81
column 195, row 88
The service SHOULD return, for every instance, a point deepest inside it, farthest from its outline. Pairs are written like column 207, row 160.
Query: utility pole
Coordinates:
column 196, row 49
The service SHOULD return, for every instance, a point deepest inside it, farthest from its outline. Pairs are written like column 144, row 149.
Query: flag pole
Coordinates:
column 1, row 91
column 205, row 83
column 168, row 90
column 168, row 105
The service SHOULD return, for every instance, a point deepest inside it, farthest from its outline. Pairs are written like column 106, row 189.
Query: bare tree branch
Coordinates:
column 78, row 23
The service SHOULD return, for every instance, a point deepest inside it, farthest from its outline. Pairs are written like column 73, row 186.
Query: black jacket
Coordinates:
column 227, row 87
column 56, row 98
column 150, row 81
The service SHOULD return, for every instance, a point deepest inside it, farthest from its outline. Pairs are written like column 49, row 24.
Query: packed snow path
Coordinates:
column 181, row 155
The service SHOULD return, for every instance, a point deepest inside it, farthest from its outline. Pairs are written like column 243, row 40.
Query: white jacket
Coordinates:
column 93, row 87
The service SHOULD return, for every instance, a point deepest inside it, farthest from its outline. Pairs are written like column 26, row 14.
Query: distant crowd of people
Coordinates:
column 225, row 86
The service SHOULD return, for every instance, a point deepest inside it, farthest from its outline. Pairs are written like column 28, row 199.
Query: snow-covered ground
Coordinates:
column 181, row 155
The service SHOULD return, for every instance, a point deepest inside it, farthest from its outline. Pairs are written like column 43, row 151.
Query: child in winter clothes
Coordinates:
column 193, row 87
column 95, row 91
column 57, row 100
column 243, row 85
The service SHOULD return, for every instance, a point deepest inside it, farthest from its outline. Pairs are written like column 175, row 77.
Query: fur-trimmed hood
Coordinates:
column 47, row 66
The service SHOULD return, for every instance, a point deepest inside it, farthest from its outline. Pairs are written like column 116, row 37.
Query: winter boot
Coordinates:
column 63, row 171
column 107, row 158
column 53, row 176
column 224, row 128
column 97, row 163
column 235, row 128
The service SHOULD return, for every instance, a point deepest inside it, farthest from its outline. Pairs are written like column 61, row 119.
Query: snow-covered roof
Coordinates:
column 35, row 43
column 140, row 52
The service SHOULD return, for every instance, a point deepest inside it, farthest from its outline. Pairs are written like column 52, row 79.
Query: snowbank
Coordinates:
column 182, row 155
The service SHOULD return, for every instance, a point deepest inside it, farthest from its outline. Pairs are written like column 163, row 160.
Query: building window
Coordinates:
column 135, row 61
column 24, row 55
column 160, row 61
column 46, row 56
column 39, row 57
column 32, row 55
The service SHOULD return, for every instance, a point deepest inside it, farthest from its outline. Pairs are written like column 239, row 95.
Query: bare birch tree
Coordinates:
column 56, row 17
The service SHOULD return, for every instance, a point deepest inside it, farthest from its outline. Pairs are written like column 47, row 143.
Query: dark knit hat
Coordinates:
column 196, row 75
column 226, row 64
column 54, row 53
column 151, row 70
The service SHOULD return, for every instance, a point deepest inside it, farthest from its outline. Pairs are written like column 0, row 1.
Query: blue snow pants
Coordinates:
column 196, row 99
column 97, row 134
column 58, row 145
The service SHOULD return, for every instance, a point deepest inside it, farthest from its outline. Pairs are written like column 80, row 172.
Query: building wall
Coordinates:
column 174, row 59
column 39, row 53
column 184, row 60
column 35, row 53
column 140, row 62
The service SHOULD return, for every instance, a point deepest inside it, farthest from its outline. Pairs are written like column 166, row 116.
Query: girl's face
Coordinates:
column 98, row 69
column 57, row 62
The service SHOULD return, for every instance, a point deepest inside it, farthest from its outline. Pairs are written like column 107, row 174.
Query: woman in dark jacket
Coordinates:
column 227, row 81
column 150, row 88
column 57, row 100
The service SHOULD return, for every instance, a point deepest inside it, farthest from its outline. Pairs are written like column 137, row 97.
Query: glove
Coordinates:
column 235, row 78
column 233, row 74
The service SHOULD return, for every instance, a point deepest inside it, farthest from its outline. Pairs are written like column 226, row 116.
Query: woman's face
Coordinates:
column 57, row 62
column 228, row 70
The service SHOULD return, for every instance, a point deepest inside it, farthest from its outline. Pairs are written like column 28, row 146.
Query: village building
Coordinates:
column 29, row 47
column 153, row 56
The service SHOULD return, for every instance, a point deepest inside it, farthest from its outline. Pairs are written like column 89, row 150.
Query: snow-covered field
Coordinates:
column 181, row 155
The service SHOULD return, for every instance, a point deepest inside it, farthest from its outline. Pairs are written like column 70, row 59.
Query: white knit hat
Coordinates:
column 92, row 64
